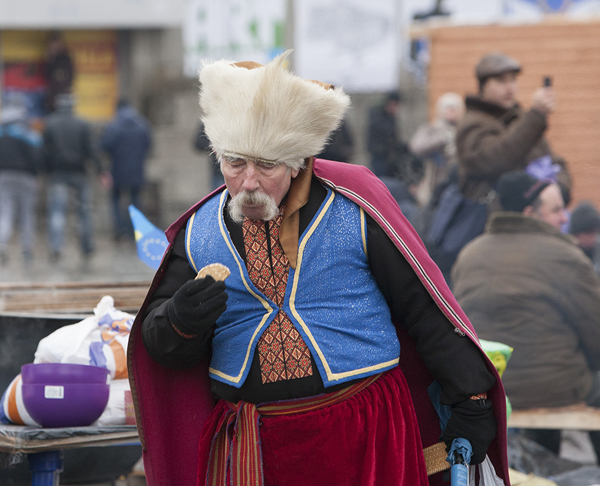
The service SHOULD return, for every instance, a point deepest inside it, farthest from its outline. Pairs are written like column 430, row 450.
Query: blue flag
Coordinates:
column 151, row 242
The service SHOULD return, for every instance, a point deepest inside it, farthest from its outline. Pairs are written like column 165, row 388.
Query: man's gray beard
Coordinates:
column 254, row 198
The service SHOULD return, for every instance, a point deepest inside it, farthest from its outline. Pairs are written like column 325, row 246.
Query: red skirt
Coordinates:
column 369, row 439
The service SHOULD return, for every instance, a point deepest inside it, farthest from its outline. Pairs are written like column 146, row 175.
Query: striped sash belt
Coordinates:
column 236, row 444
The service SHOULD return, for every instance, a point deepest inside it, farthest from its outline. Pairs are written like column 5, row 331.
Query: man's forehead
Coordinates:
column 504, row 77
column 552, row 195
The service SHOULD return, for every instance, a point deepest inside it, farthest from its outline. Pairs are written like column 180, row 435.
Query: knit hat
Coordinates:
column 584, row 219
column 495, row 64
column 517, row 190
column 267, row 113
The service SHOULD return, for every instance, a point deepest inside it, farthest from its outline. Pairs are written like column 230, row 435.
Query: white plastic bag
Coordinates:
column 487, row 474
column 99, row 340
column 114, row 413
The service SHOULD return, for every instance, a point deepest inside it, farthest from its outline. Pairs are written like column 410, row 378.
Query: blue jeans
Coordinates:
column 122, row 222
column 18, row 195
column 61, row 184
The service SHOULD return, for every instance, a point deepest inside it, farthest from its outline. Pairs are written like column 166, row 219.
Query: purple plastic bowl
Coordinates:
column 69, row 405
column 64, row 395
column 61, row 373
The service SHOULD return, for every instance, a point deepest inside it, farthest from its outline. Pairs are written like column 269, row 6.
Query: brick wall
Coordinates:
column 569, row 52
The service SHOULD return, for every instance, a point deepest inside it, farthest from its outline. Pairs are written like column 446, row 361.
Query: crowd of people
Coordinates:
column 59, row 159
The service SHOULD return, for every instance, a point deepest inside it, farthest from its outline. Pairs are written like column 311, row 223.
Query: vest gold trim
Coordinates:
column 268, row 308
column 330, row 375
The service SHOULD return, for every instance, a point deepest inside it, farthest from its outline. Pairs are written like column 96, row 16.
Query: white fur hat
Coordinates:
column 267, row 113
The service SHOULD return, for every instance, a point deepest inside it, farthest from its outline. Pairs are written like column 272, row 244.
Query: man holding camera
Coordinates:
column 496, row 135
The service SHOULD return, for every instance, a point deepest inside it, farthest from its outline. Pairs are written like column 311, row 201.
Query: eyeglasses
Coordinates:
column 238, row 165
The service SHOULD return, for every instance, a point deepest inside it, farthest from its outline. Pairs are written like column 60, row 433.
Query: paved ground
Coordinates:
column 111, row 262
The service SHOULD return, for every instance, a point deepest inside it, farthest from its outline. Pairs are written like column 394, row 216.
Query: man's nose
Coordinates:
column 564, row 218
column 250, row 182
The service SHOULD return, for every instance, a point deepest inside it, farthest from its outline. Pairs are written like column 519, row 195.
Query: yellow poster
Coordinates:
column 96, row 76
column 94, row 53
column 23, row 45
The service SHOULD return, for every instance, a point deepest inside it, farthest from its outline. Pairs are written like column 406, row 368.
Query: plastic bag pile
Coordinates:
column 99, row 340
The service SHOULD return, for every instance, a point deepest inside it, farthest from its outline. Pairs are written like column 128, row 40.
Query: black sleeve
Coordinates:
column 454, row 360
column 90, row 149
column 377, row 142
column 163, row 344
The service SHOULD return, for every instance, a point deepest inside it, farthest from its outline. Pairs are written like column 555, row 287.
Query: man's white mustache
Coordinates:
column 252, row 198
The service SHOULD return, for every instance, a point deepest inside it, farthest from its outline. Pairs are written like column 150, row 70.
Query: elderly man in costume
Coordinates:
column 311, row 363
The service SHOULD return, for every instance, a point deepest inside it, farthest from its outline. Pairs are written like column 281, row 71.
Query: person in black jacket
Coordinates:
column 340, row 146
column 68, row 147
column 382, row 141
column 127, row 139
column 202, row 145
column 19, row 163
column 59, row 70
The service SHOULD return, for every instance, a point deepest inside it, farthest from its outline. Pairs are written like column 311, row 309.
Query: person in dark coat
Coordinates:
column 68, row 149
column 585, row 227
column 202, row 145
column 525, row 284
column 127, row 140
column 20, row 155
column 340, row 145
column 59, row 70
column 497, row 136
column 383, row 141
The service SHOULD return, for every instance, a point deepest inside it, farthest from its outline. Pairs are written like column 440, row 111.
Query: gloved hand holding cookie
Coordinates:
column 198, row 303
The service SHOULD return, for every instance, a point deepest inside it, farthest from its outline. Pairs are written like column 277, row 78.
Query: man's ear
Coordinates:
column 528, row 211
column 295, row 173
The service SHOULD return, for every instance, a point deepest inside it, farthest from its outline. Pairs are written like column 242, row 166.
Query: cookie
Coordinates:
column 217, row 271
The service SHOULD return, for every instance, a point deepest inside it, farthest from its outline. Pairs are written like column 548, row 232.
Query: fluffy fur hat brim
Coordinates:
column 267, row 113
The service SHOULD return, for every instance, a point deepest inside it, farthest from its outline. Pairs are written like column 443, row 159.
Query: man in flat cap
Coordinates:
column 527, row 285
column 496, row 135
column 290, row 371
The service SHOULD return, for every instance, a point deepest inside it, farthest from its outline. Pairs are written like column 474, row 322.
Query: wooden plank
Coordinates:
column 72, row 297
column 22, row 444
column 71, row 285
column 576, row 417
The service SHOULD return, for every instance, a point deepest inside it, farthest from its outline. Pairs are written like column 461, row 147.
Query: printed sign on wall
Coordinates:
column 348, row 43
column 240, row 30
column 90, row 59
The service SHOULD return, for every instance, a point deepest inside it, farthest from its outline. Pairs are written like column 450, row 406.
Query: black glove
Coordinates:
column 472, row 420
column 197, row 305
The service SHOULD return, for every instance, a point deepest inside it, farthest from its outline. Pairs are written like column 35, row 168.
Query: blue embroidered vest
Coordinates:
column 331, row 296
